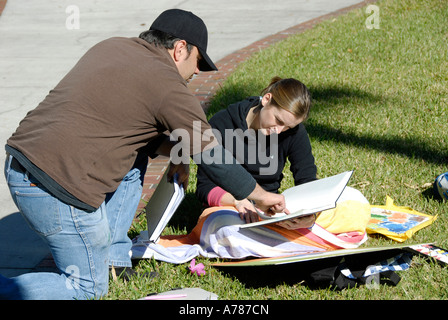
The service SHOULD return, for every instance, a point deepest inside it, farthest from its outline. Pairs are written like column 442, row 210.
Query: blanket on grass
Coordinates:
column 217, row 235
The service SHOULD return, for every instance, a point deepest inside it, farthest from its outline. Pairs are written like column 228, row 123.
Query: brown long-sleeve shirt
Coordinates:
column 86, row 133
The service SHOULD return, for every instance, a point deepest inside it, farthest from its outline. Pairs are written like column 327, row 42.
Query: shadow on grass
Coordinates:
column 329, row 97
column 335, row 95
column 187, row 214
column 316, row 274
column 411, row 148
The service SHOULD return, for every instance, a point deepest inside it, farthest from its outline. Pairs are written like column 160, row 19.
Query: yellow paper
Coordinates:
column 348, row 216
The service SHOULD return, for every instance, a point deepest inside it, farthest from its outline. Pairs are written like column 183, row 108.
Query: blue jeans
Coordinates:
column 83, row 244
column 121, row 206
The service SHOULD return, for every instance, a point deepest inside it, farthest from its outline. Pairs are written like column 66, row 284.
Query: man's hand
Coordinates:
column 183, row 171
column 267, row 201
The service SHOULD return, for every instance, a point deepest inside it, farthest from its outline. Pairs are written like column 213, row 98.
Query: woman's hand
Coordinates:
column 246, row 210
column 298, row 223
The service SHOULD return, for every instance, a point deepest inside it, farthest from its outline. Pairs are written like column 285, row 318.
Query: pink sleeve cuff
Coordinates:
column 214, row 196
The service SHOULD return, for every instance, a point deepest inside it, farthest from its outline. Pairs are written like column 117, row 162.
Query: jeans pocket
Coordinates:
column 40, row 210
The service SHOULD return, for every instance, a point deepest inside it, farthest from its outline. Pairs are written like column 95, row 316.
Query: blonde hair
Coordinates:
column 290, row 94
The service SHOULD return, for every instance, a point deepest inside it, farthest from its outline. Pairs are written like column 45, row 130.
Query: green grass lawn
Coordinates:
column 380, row 107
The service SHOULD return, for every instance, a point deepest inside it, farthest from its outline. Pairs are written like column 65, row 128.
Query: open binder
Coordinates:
column 308, row 198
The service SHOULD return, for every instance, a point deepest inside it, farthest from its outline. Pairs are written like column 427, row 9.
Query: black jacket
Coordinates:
column 293, row 144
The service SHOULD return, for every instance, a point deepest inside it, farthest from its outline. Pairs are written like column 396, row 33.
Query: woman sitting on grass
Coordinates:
column 260, row 128
column 271, row 127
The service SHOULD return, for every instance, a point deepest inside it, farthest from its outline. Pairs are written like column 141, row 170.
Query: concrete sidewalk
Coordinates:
column 40, row 42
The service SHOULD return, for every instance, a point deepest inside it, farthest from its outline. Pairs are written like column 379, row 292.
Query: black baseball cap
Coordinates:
column 189, row 27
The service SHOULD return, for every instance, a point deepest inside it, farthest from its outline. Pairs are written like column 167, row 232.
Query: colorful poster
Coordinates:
column 395, row 222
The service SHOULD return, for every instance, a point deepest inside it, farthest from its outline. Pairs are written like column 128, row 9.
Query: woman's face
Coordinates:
column 273, row 119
